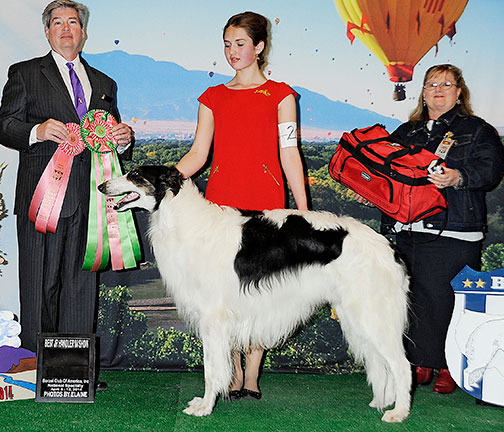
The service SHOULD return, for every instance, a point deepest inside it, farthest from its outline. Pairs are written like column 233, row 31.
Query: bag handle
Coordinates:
column 392, row 138
column 413, row 150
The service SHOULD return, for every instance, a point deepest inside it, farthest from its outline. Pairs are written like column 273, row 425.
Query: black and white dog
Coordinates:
column 246, row 279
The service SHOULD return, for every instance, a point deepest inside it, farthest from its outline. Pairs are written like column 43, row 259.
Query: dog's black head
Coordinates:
column 145, row 186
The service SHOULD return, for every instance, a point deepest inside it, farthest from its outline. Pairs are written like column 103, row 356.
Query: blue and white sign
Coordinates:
column 475, row 339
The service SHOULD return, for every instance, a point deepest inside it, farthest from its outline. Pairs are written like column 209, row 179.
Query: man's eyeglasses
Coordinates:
column 446, row 85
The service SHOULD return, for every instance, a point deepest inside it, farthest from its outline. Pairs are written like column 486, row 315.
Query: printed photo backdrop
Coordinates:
column 163, row 55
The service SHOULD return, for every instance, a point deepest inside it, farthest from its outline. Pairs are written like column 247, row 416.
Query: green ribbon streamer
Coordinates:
column 94, row 214
column 130, row 245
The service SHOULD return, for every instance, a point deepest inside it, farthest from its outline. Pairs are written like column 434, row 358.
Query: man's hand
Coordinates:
column 52, row 130
column 122, row 133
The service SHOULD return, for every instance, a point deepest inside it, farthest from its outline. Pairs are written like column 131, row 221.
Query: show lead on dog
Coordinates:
column 252, row 121
column 38, row 100
column 443, row 122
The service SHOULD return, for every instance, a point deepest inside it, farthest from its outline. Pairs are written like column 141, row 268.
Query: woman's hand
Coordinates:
column 450, row 177
column 360, row 199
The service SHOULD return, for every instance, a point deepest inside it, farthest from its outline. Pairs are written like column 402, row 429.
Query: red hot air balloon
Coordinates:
column 400, row 32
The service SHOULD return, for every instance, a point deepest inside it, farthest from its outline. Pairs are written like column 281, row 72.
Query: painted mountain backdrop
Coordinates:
column 159, row 96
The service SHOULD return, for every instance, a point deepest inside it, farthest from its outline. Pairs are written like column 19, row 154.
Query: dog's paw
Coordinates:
column 197, row 401
column 395, row 415
column 380, row 406
column 197, row 408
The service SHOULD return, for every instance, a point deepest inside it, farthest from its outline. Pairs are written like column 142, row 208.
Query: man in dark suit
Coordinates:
column 38, row 100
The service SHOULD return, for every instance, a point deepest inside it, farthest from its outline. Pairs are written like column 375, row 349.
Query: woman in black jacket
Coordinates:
column 443, row 123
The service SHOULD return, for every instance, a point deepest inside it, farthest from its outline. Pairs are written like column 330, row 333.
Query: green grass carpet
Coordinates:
column 144, row 401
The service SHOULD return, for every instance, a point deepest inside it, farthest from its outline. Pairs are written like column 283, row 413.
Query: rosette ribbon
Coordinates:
column 47, row 200
column 111, row 234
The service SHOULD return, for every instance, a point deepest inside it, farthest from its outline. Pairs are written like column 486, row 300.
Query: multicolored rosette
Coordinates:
column 45, row 206
column 110, row 233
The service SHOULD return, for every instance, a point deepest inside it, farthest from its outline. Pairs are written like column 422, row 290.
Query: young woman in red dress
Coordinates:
column 245, row 118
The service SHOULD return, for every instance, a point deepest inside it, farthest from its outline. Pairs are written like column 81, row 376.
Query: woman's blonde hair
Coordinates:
column 421, row 111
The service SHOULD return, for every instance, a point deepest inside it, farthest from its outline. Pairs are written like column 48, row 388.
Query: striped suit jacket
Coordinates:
column 35, row 92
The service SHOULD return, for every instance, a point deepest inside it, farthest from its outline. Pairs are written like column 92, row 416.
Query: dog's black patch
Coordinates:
column 399, row 258
column 158, row 179
column 250, row 213
column 269, row 251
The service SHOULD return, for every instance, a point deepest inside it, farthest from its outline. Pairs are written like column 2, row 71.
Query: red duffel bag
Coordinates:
column 390, row 175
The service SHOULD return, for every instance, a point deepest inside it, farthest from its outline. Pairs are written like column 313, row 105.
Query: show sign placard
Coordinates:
column 475, row 339
column 66, row 368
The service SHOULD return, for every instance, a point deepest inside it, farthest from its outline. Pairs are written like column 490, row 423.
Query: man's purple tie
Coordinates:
column 78, row 91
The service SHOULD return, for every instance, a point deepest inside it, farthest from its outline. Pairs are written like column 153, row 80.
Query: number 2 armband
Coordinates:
column 287, row 132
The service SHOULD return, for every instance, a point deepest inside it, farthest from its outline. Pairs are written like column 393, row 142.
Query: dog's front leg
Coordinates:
column 218, row 369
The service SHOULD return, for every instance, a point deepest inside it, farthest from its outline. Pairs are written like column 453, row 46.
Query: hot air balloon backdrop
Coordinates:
column 174, row 54
column 400, row 32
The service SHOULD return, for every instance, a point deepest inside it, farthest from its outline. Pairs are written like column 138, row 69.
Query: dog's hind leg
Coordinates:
column 389, row 373
column 381, row 350
column 379, row 378
column 400, row 370
column 217, row 366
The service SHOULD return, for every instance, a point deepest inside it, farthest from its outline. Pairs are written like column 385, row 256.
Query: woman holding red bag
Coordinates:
column 438, row 247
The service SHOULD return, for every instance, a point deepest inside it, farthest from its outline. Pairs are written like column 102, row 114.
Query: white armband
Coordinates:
column 288, row 134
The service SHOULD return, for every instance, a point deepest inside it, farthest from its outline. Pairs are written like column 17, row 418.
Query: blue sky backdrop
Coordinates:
column 309, row 45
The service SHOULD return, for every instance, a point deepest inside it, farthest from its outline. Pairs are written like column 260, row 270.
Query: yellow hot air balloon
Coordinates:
column 400, row 32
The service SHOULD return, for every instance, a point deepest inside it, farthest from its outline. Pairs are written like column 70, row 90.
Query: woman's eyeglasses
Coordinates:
column 446, row 85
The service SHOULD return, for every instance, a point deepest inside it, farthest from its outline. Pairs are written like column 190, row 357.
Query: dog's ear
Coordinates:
column 171, row 180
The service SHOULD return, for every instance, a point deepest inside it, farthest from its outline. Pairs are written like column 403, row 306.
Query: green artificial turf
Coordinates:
column 146, row 401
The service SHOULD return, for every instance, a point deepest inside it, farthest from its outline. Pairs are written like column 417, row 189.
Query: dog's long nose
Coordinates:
column 101, row 187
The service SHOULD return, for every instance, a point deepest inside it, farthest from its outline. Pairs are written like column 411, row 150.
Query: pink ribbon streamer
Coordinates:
column 47, row 200
column 112, row 219
column 110, row 234
column 98, row 215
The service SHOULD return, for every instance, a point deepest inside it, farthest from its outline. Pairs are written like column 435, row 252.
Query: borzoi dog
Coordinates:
column 245, row 279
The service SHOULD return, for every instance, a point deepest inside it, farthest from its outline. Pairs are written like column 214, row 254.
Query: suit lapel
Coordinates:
column 95, row 85
column 49, row 69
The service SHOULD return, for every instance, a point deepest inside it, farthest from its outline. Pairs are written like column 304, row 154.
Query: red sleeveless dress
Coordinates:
column 246, row 171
